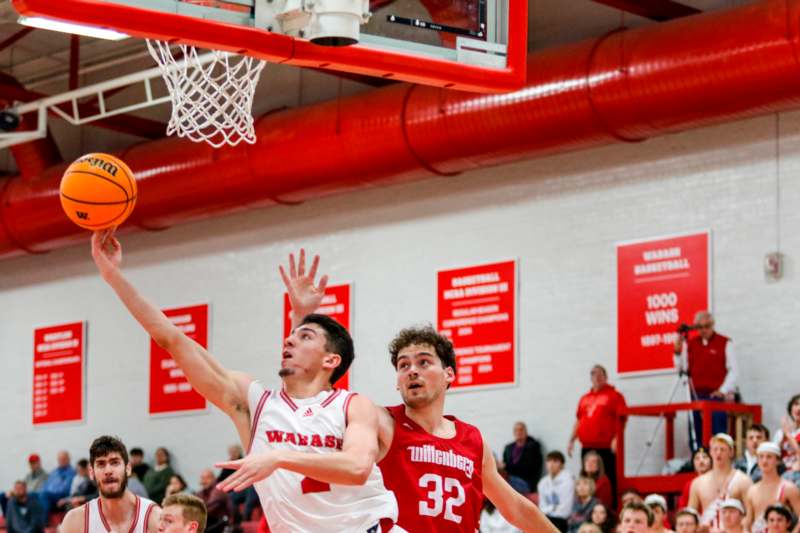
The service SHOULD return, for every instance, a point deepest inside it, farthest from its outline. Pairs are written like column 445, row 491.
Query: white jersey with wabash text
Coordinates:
column 95, row 522
column 298, row 504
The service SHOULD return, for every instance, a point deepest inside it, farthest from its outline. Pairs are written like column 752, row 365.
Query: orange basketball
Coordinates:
column 98, row 191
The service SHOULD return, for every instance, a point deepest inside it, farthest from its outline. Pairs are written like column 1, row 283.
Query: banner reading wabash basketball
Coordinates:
column 661, row 283
column 170, row 391
column 477, row 311
column 58, row 373
column 335, row 304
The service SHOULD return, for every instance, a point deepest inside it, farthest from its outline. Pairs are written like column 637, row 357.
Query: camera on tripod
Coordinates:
column 683, row 329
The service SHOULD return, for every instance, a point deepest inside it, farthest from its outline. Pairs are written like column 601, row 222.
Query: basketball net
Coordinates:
column 212, row 94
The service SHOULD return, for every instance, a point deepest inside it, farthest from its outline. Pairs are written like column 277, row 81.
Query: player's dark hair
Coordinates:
column 337, row 340
column 424, row 335
column 105, row 445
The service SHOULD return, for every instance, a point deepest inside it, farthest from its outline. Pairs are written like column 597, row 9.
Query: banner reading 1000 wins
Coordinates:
column 661, row 283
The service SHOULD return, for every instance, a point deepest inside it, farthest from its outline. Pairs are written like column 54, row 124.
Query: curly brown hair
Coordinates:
column 424, row 335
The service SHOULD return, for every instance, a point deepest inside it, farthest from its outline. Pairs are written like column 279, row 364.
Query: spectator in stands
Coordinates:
column 593, row 467
column 217, row 502
column 630, row 496
column 583, row 503
column 596, row 423
column 701, row 461
column 556, row 491
column 34, row 480
column 711, row 362
column 523, row 460
column 138, row 465
column 603, row 518
column 493, row 522
column 135, row 486
column 588, row 527
column 635, row 517
column 234, row 454
column 177, row 485
column 658, row 506
column 58, row 482
column 788, row 437
column 756, row 434
column 157, row 478
column 769, row 490
column 687, row 521
column 25, row 514
column 722, row 481
column 731, row 517
column 81, row 490
column 779, row 519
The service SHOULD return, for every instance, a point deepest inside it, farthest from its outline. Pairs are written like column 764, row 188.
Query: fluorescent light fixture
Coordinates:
column 70, row 27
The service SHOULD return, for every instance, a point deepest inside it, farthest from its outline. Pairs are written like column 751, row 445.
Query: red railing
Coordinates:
column 672, row 484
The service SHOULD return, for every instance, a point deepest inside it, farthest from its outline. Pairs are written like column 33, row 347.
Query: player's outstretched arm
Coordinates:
column 73, row 521
column 518, row 510
column 227, row 390
column 304, row 296
column 351, row 466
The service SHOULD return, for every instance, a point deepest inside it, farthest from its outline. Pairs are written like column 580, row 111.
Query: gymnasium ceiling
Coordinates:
column 38, row 62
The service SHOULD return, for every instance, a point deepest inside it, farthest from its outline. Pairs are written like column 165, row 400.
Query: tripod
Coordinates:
column 682, row 381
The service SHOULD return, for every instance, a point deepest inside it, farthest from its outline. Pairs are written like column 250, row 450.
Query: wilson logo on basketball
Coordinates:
column 100, row 163
column 81, row 215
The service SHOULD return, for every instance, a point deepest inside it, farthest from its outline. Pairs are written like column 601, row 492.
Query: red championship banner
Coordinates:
column 661, row 283
column 335, row 304
column 58, row 373
column 170, row 391
column 476, row 310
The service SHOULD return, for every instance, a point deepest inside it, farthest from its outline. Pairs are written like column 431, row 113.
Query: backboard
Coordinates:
column 472, row 45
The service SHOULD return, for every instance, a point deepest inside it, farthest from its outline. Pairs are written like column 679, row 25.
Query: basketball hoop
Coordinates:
column 212, row 94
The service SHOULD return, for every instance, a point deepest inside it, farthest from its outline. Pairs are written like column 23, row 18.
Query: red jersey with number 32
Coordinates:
column 437, row 482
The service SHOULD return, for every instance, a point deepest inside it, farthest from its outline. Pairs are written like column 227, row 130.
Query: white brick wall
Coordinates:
column 559, row 216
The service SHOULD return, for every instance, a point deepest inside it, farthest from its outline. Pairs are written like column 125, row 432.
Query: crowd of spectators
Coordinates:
column 40, row 499
column 757, row 493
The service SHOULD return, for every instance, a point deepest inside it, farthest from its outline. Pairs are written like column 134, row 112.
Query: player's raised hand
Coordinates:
column 106, row 251
column 304, row 296
column 249, row 470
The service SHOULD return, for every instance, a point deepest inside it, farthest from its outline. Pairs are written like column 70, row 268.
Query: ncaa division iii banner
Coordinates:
column 661, row 283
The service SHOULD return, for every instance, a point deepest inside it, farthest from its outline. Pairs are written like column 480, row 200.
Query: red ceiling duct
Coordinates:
column 625, row 86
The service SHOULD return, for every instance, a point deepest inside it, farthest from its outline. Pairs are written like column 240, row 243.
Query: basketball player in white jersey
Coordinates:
column 317, row 446
column 183, row 513
column 116, row 509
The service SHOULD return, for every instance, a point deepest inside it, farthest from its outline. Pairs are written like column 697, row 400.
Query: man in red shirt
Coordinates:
column 710, row 361
column 596, row 423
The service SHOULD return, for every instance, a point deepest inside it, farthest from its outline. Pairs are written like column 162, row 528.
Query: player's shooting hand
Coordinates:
column 304, row 296
column 106, row 251
column 249, row 470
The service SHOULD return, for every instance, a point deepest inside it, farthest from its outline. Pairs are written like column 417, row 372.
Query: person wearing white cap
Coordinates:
column 731, row 517
column 687, row 521
column 722, row 482
column 658, row 506
column 770, row 490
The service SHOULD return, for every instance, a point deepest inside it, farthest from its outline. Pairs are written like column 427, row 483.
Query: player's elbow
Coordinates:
column 360, row 471
column 166, row 338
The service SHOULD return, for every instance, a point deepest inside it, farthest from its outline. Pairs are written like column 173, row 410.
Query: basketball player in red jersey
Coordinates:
column 439, row 467
column 117, row 508
column 313, row 448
